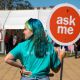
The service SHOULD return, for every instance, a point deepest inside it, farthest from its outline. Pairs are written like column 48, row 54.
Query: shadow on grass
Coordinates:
column 2, row 55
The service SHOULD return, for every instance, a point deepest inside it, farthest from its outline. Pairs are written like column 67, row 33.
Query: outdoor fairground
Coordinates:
column 71, row 70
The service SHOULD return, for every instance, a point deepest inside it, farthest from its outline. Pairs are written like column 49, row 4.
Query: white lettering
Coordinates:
column 70, row 30
column 72, row 21
column 65, row 21
column 64, row 30
column 59, row 20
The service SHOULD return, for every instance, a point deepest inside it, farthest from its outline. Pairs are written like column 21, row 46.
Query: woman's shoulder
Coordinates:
column 22, row 43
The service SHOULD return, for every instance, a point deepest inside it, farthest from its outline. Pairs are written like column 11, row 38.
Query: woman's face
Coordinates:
column 27, row 32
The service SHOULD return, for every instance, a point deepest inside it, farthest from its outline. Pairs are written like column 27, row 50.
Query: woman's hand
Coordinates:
column 23, row 71
column 61, row 52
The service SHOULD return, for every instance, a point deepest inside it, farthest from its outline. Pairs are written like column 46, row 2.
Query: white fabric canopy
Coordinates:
column 17, row 18
column 44, row 16
column 3, row 18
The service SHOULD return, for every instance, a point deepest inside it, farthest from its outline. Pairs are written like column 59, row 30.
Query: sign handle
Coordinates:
column 61, row 72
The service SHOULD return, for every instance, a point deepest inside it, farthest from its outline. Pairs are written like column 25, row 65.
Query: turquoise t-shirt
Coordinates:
column 38, row 66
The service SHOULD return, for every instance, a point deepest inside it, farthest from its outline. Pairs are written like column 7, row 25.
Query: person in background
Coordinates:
column 11, row 42
column 6, row 41
column 71, row 49
column 14, row 40
column 36, row 54
column 75, row 50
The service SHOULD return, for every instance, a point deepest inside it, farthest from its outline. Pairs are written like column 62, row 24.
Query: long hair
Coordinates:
column 40, row 38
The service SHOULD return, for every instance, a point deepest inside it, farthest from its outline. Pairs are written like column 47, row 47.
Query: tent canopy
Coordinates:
column 3, row 17
column 16, row 19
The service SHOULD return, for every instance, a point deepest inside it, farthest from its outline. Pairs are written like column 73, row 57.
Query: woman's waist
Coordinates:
column 35, row 78
column 36, row 75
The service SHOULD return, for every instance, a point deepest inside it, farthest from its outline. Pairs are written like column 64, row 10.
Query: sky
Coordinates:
column 46, row 3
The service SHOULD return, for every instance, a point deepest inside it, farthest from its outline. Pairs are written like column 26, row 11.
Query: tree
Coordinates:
column 15, row 4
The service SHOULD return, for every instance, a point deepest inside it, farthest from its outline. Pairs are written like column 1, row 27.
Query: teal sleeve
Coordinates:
column 55, row 61
column 16, row 52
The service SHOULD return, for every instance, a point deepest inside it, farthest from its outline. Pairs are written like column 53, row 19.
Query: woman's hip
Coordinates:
column 36, row 78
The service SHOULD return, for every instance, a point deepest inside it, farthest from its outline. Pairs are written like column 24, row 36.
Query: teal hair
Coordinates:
column 27, row 25
column 39, row 37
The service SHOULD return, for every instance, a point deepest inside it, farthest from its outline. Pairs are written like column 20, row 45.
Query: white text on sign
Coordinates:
column 65, row 21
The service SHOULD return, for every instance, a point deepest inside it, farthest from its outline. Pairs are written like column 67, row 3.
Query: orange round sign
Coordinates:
column 64, row 24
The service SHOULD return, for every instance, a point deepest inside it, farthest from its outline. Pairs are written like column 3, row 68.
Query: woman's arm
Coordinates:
column 58, row 59
column 10, row 60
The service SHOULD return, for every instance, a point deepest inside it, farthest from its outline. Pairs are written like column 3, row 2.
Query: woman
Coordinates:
column 36, row 53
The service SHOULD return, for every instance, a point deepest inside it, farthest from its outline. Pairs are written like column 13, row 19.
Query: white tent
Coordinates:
column 44, row 16
column 3, row 18
column 15, row 19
